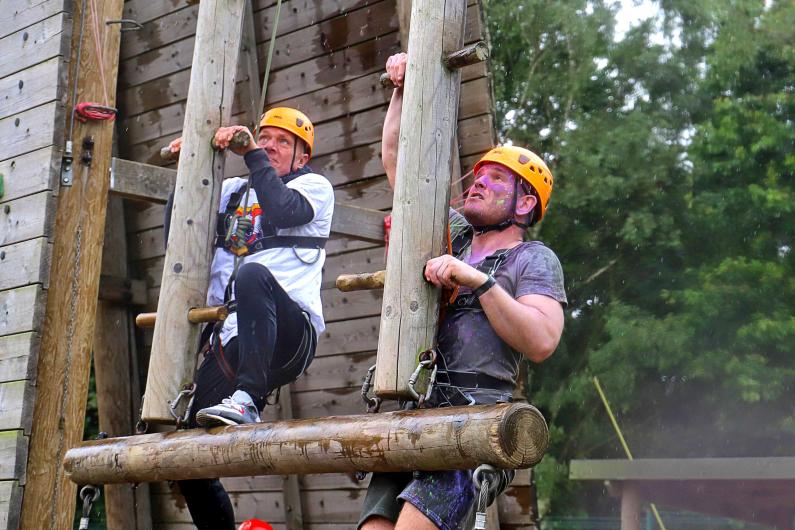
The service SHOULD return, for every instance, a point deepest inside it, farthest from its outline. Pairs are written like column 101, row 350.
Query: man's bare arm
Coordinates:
column 390, row 137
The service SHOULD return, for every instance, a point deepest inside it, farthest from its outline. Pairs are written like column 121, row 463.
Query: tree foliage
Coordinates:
column 672, row 148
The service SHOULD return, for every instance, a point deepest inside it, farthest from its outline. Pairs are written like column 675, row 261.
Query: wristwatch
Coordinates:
column 485, row 286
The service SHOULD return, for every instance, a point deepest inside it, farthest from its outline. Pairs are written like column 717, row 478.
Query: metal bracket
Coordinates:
column 132, row 25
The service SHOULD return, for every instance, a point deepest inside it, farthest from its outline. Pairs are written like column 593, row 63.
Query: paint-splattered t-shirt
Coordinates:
column 466, row 339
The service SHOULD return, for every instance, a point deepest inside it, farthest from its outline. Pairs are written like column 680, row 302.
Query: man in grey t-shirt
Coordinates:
column 509, row 305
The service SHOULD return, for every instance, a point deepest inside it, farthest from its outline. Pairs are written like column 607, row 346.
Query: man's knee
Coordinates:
column 376, row 522
column 252, row 277
column 411, row 518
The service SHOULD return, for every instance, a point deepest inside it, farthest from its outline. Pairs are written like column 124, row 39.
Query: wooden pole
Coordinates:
column 506, row 435
column 68, row 330
column 630, row 507
column 197, row 315
column 291, row 491
column 361, row 282
column 199, row 176
column 422, row 192
column 117, row 383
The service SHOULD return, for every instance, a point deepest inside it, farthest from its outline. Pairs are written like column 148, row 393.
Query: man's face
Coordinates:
column 279, row 145
column 491, row 196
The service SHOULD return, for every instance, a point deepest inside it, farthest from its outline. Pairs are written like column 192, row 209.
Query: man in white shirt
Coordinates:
column 278, row 226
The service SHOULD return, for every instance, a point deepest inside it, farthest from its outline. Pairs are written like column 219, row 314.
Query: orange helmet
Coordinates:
column 527, row 165
column 291, row 120
column 255, row 524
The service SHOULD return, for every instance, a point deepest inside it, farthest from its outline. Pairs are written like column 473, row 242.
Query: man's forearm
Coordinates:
column 527, row 329
column 390, row 137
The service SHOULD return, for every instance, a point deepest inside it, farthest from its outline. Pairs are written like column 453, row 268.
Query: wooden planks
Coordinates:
column 26, row 218
column 29, row 88
column 10, row 502
column 15, row 351
column 29, row 130
column 26, row 13
column 13, row 451
column 33, row 44
column 19, row 309
column 16, row 405
column 24, row 263
column 29, row 173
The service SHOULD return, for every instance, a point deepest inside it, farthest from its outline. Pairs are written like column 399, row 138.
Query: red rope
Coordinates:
column 94, row 111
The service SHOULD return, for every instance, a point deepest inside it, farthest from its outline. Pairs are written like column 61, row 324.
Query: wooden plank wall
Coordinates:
column 34, row 46
column 328, row 58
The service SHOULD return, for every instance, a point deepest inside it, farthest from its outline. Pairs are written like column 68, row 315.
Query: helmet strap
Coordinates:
column 482, row 229
column 292, row 160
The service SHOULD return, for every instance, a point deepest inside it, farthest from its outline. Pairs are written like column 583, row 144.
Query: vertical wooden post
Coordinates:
column 68, row 330
column 118, row 384
column 630, row 507
column 422, row 192
column 199, row 176
column 293, row 510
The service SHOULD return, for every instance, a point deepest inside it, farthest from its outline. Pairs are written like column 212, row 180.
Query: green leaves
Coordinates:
column 673, row 219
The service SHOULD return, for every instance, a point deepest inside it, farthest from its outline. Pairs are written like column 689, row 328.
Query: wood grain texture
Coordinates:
column 422, row 193
column 29, row 88
column 34, row 44
column 15, row 354
column 19, row 309
column 26, row 218
column 25, row 263
column 504, row 435
column 10, row 503
column 198, row 186
column 26, row 13
column 28, row 130
column 30, row 173
column 16, row 404
column 67, row 333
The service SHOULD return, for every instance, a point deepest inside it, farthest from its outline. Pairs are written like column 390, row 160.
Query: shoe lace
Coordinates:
column 229, row 402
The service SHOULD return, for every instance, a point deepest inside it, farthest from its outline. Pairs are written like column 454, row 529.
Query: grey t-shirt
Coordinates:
column 466, row 339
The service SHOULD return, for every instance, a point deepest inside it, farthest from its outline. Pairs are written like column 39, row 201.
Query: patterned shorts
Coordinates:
column 445, row 497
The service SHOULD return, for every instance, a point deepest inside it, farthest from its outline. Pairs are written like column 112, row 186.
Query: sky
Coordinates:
column 632, row 12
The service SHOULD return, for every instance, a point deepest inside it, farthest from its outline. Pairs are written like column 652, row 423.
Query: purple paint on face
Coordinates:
column 490, row 196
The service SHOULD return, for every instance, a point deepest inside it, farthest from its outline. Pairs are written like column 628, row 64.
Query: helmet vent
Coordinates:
column 299, row 122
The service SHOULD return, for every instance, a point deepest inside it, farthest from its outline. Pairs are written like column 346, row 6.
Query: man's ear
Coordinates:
column 302, row 160
column 525, row 203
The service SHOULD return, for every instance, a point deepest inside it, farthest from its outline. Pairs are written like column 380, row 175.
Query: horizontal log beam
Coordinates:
column 506, row 435
column 145, row 182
